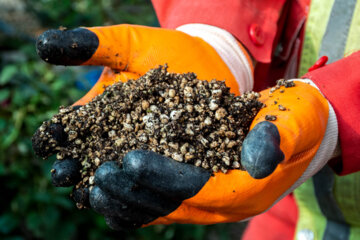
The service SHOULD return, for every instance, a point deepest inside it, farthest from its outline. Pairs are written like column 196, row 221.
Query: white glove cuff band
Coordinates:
column 228, row 49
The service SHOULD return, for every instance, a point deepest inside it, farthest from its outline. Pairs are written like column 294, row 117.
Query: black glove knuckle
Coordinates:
column 135, row 163
column 103, row 175
column 81, row 196
column 65, row 172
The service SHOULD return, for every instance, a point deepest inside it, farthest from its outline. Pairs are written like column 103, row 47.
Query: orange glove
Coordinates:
column 278, row 155
column 283, row 153
column 128, row 52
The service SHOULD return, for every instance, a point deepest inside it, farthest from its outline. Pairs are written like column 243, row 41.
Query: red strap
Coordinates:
column 319, row 63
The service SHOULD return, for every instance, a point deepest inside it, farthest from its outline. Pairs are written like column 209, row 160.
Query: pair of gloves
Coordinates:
column 151, row 189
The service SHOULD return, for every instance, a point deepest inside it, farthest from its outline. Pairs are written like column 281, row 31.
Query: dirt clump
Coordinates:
column 177, row 115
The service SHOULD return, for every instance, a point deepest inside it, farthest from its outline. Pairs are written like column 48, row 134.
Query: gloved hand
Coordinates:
column 151, row 189
column 278, row 156
column 129, row 51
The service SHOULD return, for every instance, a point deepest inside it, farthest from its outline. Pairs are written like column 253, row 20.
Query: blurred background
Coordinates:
column 31, row 91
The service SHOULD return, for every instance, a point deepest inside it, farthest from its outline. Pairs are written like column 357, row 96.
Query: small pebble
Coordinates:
column 207, row 121
column 220, row 113
column 172, row 93
column 213, row 105
column 281, row 107
column 178, row 157
column 270, row 117
column 145, row 104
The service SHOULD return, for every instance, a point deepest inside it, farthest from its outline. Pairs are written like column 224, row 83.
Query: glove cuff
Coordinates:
column 229, row 49
column 326, row 150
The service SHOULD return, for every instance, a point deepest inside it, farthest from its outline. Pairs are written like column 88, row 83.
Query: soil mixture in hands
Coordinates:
column 189, row 120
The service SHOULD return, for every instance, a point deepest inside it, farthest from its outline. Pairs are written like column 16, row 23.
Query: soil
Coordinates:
column 189, row 120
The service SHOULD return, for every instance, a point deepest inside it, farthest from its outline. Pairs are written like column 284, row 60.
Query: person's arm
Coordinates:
column 340, row 84
column 254, row 23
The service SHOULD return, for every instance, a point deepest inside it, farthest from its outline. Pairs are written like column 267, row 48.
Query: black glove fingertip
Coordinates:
column 41, row 148
column 100, row 202
column 107, row 205
column 81, row 196
column 65, row 172
column 67, row 47
column 261, row 151
column 57, row 132
column 164, row 175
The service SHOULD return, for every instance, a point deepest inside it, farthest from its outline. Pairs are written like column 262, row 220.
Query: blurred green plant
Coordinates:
column 74, row 13
column 31, row 91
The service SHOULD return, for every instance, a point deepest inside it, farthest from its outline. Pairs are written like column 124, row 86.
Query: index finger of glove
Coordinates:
column 164, row 175
column 135, row 49
column 103, row 46
column 67, row 47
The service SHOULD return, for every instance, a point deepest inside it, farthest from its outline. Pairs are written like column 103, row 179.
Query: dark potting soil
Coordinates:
column 189, row 120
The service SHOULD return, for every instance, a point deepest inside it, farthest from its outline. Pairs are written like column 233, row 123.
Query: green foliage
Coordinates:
column 74, row 13
column 31, row 91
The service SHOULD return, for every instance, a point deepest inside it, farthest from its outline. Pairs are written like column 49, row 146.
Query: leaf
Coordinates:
column 4, row 94
column 169, row 233
column 8, row 222
column 7, row 73
column 34, row 222
column 14, row 238
column 2, row 170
